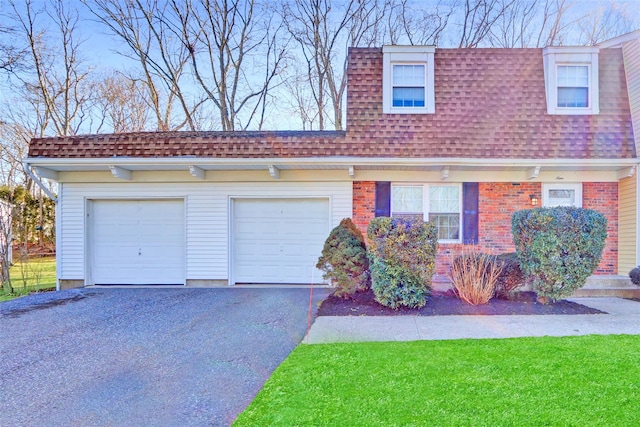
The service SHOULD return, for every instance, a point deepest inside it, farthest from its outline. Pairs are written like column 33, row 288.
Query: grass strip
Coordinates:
column 37, row 274
column 543, row 381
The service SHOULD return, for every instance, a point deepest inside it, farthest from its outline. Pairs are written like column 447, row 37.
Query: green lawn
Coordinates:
column 37, row 274
column 569, row 381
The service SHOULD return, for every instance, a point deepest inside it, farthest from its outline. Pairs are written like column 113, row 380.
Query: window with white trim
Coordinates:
column 562, row 195
column 439, row 204
column 573, row 86
column 408, row 80
column 408, row 85
column 571, row 80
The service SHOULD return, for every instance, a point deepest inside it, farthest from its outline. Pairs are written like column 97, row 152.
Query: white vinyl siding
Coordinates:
column 627, row 224
column 206, row 213
column 631, row 51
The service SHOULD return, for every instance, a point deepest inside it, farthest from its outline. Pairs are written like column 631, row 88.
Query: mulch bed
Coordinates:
column 446, row 304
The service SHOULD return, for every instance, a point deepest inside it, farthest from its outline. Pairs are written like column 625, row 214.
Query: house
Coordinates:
column 463, row 137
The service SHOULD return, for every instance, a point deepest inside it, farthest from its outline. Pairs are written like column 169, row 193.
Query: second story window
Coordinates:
column 408, row 80
column 571, row 80
column 573, row 86
column 409, row 85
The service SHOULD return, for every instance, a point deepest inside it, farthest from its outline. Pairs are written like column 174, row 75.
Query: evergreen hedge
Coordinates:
column 402, row 258
column 558, row 248
column 344, row 259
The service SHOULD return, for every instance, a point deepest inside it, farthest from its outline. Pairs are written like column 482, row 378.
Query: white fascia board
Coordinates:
column 620, row 40
column 203, row 162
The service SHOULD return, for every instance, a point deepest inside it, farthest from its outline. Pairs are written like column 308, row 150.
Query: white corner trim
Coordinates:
column 627, row 172
column 197, row 172
column 533, row 172
column 120, row 172
column 274, row 172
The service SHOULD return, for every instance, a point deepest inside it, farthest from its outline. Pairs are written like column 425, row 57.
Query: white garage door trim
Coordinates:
column 124, row 249
column 296, row 246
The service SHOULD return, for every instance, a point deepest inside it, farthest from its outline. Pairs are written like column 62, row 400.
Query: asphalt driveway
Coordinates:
column 163, row 357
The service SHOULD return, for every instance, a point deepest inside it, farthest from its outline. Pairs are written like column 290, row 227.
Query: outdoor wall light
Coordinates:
column 534, row 199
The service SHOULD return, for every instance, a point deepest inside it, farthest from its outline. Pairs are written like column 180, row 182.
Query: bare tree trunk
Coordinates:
column 323, row 35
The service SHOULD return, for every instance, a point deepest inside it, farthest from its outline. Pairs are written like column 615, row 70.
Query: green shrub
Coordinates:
column 559, row 247
column 511, row 277
column 634, row 275
column 402, row 257
column 344, row 259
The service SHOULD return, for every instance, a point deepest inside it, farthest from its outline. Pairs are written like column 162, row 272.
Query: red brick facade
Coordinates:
column 603, row 197
column 364, row 204
column 497, row 204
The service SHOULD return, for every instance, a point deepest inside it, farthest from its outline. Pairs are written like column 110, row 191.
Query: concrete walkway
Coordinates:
column 623, row 317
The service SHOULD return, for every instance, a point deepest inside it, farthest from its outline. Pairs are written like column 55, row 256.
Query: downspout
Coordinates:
column 36, row 179
column 27, row 169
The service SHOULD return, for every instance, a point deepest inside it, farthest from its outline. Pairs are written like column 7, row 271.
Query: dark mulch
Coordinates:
column 445, row 304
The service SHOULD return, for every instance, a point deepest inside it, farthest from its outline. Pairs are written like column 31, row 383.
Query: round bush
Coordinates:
column 402, row 259
column 344, row 259
column 558, row 248
column 634, row 275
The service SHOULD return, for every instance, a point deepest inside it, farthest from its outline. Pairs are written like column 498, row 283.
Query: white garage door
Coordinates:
column 137, row 242
column 278, row 240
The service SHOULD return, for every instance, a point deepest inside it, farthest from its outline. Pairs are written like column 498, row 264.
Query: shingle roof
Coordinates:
column 490, row 103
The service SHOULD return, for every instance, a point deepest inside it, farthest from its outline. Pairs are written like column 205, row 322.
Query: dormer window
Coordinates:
column 408, row 80
column 571, row 80
column 573, row 86
column 408, row 85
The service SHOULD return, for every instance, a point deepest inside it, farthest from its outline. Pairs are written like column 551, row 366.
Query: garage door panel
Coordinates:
column 278, row 240
column 138, row 242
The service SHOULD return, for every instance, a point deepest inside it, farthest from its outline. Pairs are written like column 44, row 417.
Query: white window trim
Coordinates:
column 408, row 55
column 589, row 85
column 556, row 56
column 577, row 187
column 426, row 199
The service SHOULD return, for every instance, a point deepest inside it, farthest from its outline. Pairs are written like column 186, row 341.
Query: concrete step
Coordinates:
column 608, row 286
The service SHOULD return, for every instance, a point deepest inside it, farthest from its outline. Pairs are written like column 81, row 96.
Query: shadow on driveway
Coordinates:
column 144, row 356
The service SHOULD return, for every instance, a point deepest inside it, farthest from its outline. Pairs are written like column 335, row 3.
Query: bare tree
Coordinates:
column 324, row 33
column 605, row 22
column 122, row 103
column 161, row 56
column 226, row 40
column 58, row 79
column 477, row 19
column 408, row 22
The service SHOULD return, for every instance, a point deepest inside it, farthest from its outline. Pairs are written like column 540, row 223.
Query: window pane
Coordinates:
column 408, row 75
column 573, row 75
column 562, row 198
column 406, row 199
column 573, row 97
column 444, row 198
column 448, row 225
column 408, row 97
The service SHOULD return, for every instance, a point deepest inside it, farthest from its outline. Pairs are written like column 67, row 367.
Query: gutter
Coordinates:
column 36, row 179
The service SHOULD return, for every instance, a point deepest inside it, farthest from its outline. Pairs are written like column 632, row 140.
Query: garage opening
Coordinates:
column 278, row 241
column 137, row 242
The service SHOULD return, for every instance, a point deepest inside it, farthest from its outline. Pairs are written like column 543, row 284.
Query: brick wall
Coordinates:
column 603, row 197
column 364, row 204
column 497, row 204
